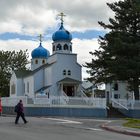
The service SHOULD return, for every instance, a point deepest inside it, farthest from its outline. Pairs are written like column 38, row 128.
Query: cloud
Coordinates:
column 25, row 17
column 16, row 44
column 82, row 49
column 36, row 16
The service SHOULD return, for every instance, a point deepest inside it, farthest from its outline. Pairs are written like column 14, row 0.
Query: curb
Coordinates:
column 126, row 132
column 7, row 115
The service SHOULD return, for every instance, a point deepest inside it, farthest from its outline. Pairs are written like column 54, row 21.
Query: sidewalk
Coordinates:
column 116, row 126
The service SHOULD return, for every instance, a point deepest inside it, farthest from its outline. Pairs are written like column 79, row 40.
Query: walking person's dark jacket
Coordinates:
column 19, row 109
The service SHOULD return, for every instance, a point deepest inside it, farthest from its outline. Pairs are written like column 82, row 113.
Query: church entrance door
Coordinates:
column 69, row 90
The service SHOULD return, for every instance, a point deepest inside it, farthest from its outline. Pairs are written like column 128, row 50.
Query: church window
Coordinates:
column 69, row 72
column 24, row 88
column 53, row 47
column 28, row 87
column 64, row 72
column 116, row 96
column 43, row 61
column 59, row 47
column 65, row 47
column 116, row 86
column 70, row 48
column 13, row 89
column 36, row 61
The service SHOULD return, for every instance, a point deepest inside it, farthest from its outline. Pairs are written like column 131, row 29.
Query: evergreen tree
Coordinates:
column 118, row 57
column 10, row 60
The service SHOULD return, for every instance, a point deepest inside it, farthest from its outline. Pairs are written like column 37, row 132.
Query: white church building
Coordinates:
column 51, row 75
column 53, row 85
column 56, row 80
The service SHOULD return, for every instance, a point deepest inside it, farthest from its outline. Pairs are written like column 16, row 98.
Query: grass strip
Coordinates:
column 132, row 123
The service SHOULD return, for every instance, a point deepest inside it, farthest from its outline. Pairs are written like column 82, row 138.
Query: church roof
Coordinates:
column 87, row 84
column 25, row 73
column 42, row 89
column 22, row 73
column 62, row 34
column 69, row 80
column 40, row 52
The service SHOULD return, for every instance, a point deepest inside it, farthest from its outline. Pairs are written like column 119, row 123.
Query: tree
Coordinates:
column 118, row 57
column 10, row 60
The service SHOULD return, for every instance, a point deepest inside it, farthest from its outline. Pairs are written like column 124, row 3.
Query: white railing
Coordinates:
column 41, row 101
column 127, row 104
column 119, row 104
column 90, row 102
column 64, row 98
column 98, row 102
column 57, row 101
column 12, row 101
column 52, row 100
column 82, row 94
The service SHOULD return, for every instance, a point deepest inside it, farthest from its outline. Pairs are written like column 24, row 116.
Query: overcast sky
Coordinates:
column 21, row 21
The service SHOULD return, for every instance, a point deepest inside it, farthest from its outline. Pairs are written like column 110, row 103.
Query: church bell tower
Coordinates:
column 62, row 39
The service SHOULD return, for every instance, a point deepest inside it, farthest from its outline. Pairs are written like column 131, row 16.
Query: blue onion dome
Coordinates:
column 40, row 52
column 62, row 34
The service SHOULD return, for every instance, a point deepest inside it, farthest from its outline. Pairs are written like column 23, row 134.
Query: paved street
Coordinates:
column 57, row 128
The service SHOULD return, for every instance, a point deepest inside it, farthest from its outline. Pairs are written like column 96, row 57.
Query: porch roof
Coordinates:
column 69, row 80
column 42, row 89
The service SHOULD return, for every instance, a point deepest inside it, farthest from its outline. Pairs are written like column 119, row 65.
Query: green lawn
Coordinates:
column 133, row 123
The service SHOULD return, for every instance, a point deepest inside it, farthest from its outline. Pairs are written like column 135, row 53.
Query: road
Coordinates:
column 57, row 129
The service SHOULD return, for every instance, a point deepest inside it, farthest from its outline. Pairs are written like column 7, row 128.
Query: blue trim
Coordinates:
column 132, row 113
column 60, row 111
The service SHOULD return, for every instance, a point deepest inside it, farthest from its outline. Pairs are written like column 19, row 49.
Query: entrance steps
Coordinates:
column 114, row 113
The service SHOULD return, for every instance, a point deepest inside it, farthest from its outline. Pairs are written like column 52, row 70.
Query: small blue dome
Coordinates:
column 40, row 52
column 61, row 34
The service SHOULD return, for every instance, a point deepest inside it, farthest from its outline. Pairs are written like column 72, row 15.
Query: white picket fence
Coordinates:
column 7, row 101
column 71, row 101
column 56, row 101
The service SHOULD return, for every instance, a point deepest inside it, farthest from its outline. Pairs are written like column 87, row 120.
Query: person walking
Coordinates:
column 19, row 109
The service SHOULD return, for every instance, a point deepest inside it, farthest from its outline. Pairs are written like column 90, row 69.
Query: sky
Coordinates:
column 21, row 21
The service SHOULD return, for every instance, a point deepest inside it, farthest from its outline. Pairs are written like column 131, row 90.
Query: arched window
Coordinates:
column 28, row 87
column 65, row 47
column 36, row 61
column 59, row 47
column 13, row 89
column 69, row 72
column 43, row 61
column 53, row 47
column 64, row 72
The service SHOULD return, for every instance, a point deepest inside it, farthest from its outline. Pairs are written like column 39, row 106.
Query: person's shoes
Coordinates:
column 16, row 123
column 26, row 122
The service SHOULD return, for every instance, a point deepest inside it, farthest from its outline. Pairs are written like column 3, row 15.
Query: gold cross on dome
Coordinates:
column 61, row 15
column 40, row 38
